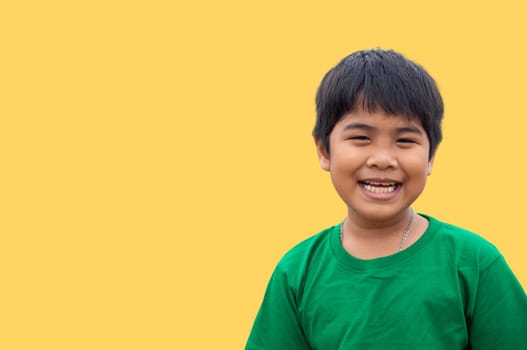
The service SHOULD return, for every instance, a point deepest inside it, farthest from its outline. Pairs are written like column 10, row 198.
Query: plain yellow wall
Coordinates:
column 157, row 158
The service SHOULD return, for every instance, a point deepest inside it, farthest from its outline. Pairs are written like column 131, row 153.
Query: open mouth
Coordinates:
column 379, row 187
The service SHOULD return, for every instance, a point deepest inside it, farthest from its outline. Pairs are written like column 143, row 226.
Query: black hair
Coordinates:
column 373, row 79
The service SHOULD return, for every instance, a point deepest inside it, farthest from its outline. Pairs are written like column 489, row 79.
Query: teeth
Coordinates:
column 379, row 188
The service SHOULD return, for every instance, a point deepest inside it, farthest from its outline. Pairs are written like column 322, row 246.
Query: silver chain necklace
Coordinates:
column 403, row 238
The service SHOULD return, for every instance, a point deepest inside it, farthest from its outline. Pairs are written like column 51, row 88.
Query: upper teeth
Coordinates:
column 379, row 187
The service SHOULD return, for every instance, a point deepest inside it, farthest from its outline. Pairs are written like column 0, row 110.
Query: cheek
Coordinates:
column 419, row 169
column 345, row 164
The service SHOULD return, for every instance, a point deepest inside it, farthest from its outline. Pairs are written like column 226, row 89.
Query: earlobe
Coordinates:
column 324, row 163
column 323, row 156
column 430, row 164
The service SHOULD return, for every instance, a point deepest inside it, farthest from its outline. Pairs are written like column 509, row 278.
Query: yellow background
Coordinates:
column 156, row 157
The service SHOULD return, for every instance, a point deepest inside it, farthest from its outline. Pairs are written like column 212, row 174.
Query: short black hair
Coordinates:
column 378, row 78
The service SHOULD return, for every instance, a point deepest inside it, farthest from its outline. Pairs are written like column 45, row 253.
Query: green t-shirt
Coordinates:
column 449, row 290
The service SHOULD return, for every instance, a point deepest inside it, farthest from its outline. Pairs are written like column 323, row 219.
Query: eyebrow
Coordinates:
column 360, row 126
column 401, row 130
column 411, row 129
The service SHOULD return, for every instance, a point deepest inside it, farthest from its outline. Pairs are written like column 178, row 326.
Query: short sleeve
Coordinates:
column 500, row 314
column 277, row 325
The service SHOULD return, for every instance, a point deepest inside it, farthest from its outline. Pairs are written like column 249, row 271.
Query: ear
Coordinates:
column 323, row 156
column 430, row 165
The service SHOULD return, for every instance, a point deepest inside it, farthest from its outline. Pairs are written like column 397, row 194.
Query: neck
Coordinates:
column 370, row 239
column 366, row 226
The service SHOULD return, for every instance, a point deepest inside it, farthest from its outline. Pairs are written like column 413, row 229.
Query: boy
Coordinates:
column 386, row 277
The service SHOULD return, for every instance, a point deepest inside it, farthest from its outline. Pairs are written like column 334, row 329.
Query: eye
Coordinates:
column 406, row 140
column 359, row 138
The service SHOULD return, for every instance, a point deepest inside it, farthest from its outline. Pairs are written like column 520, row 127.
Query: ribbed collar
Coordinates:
column 352, row 263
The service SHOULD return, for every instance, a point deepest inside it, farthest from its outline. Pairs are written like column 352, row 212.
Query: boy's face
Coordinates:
column 378, row 163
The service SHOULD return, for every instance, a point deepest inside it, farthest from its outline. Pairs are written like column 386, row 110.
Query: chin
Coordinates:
column 378, row 213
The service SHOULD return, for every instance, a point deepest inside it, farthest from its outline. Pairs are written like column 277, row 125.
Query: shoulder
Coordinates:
column 467, row 246
column 308, row 247
column 309, row 252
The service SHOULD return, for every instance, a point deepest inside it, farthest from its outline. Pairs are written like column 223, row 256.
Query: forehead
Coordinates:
column 377, row 119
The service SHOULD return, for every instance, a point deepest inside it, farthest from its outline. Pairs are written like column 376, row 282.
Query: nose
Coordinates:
column 382, row 158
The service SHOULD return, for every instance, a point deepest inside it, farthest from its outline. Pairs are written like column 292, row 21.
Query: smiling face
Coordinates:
column 378, row 163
